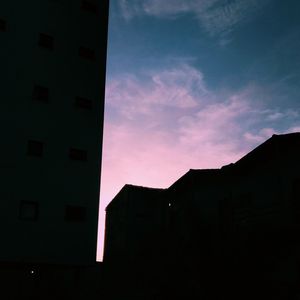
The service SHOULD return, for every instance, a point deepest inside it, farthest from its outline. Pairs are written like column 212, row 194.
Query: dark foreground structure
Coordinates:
column 53, row 60
column 229, row 233
column 136, row 229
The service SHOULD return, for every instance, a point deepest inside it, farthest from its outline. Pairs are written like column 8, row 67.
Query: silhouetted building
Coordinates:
column 237, row 228
column 136, row 232
column 233, row 232
column 53, row 59
column 193, row 233
column 260, row 220
column 136, row 221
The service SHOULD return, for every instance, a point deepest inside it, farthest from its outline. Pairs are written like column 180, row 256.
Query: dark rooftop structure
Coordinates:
column 133, row 219
column 228, row 233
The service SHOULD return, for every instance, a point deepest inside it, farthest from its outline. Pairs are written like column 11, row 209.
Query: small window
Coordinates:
column 87, row 53
column 3, row 25
column 28, row 211
column 40, row 93
column 35, row 148
column 75, row 213
column 89, row 6
column 77, row 154
column 46, row 41
column 83, row 103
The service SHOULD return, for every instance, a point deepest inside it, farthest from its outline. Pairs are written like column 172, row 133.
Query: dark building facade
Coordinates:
column 194, row 233
column 135, row 220
column 259, row 218
column 237, row 227
column 233, row 232
column 53, row 65
column 136, row 231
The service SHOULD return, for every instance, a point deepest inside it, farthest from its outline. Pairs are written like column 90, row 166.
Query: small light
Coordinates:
column 169, row 204
column 32, row 272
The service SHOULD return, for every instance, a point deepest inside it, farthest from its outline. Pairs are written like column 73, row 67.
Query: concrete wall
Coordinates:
column 136, row 222
column 53, row 180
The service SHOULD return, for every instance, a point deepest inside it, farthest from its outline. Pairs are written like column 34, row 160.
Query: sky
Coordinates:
column 195, row 84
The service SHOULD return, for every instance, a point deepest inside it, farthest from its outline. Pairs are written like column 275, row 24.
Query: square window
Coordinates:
column 35, row 148
column 46, row 41
column 28, row 211
column 77, row 154
column 40, row 93
column 75, row 213
column 3, row 26
column 87, row 53
column 83, row 103
column 89, row 6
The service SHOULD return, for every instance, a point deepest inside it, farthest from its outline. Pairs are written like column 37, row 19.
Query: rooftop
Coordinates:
column 128, row 187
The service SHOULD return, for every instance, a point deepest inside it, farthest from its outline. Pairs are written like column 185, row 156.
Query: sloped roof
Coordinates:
column 193, row 173
column 257, row 156
column 267, row 150
column 127, row 187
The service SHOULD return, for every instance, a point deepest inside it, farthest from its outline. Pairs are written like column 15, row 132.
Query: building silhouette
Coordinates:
column 233, row 232
column 139, row 223
column 136, row 229
column 53, row 61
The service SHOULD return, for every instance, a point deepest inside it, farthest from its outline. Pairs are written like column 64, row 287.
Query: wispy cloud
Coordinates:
column 218, row 17
column 182, row 88
column 174, row 7
column 265, row 133
column 223, row 17
column 277, row 115
column 130, row 9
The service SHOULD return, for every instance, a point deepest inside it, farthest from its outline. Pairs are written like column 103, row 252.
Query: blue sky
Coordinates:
column 195, row 84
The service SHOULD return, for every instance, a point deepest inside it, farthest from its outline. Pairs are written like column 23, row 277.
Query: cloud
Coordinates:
column 223, row 17
column 215, row 123
column 129, row 9
column 260, row 137
column 266, row 133
column 218, row 17
column 167, row 8
column 133, row 8
column 170, row 8
column 276, row 115
column 178, row 88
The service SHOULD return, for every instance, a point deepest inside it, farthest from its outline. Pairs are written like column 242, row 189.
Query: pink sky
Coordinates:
column 157, row 129
column 194, row 84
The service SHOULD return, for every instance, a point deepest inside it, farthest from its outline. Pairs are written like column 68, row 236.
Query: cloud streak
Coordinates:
column 177, row 88
column 219, row 18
